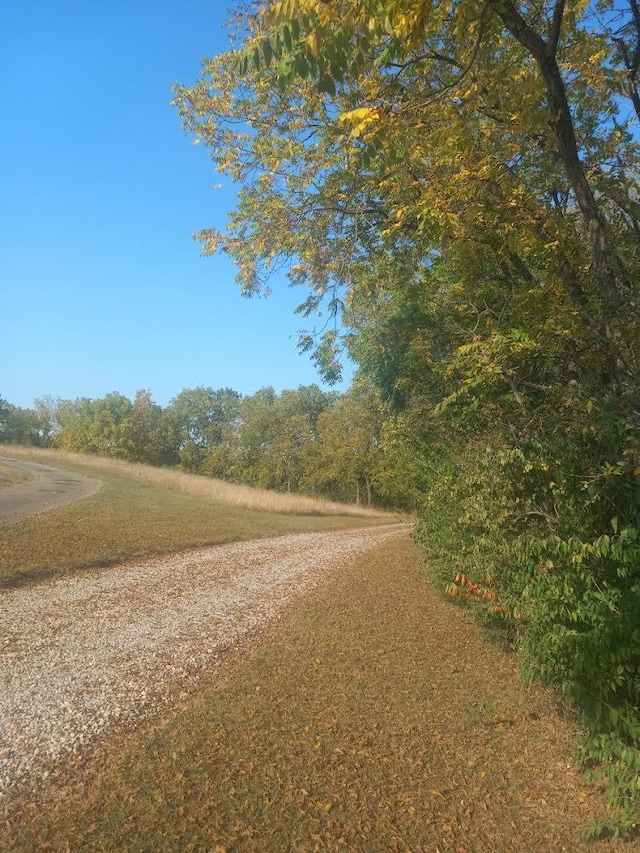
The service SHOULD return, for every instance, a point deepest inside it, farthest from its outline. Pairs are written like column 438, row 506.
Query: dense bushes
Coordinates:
column 549, row 556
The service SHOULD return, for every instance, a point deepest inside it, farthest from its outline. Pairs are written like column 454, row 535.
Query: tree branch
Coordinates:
column 556, row 28
column 564, row 131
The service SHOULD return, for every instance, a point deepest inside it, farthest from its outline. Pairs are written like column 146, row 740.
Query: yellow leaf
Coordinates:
column 360, row 119
column 313, row 43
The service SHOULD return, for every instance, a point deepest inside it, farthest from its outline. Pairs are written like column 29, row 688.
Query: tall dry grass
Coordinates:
column 193, row 484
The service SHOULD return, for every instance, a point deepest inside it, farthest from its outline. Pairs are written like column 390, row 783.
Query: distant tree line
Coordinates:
column 305, row 440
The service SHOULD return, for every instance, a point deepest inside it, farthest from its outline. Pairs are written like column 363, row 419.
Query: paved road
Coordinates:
column 50, row 488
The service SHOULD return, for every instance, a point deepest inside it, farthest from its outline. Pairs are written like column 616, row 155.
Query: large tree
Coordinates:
column 360, row 126
column 459, row 182
column 22, row 426
column 198, row 420
column 111, row 426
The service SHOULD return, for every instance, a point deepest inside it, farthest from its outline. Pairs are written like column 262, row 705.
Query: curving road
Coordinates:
column 80, row 654
column 50, row 488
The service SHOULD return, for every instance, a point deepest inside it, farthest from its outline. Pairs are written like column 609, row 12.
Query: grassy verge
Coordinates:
column 10, row 476
column 131, row 517
column 376, row 717
column 206, row 487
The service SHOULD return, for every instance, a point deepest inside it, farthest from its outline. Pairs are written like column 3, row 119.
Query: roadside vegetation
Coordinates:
column 141, row 511
column 236, row 494
column 456, row 187
column 300, row 442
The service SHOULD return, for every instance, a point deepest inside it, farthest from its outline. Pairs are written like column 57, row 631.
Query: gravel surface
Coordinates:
column 79, row 654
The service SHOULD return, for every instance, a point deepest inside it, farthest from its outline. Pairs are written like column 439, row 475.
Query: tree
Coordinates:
column 199, row 420
column 100, row 426
column 148, row 437
column 478, row 154
column 47, row 409
column 347, row 456
column 22, row 426
column 459, row 183
column 4, row 417
column 275, row 436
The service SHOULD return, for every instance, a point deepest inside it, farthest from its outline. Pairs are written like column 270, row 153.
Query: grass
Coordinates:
column 206, row 487
column 376, row 718
column 137, row 513
column 10, row 476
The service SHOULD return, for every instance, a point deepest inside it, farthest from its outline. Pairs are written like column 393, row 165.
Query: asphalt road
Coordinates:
column 50, row 489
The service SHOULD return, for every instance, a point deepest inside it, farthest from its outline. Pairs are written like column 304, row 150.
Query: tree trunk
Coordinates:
column 562, row 124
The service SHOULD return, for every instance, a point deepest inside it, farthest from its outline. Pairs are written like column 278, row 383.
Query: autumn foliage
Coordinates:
column 457, row 182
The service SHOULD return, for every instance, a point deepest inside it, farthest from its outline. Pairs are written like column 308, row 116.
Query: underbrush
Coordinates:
column 548, row 562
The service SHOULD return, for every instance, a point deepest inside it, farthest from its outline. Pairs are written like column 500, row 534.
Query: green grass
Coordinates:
column 375, row 718
column 10, row 476
column 131, row 518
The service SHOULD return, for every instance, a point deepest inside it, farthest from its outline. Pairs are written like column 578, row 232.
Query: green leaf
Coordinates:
column 326, row 85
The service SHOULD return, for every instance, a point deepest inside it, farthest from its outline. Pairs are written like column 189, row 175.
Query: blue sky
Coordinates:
column 102, row 287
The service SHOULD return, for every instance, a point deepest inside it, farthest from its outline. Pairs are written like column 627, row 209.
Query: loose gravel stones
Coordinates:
column 81, row 653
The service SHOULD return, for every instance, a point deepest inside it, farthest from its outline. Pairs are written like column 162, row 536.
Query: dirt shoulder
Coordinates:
column 48, row 489
column 374, row 717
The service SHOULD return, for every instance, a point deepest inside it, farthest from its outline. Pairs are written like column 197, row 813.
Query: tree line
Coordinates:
column 305, row 440
column 457, row 183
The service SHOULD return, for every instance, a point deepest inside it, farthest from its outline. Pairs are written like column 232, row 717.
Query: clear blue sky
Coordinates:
column 102, row 287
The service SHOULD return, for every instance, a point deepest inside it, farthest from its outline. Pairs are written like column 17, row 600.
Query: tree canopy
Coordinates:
column 457, row 182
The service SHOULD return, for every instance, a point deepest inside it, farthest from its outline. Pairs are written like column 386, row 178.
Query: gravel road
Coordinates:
column 79, row 654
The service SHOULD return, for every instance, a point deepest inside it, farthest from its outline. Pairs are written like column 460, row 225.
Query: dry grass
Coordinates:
column 375, row 718
column 132, row 517
column 10, row 476
column 205, row 487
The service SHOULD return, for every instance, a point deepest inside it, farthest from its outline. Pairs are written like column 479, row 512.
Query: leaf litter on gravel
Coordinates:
column 374, row 717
